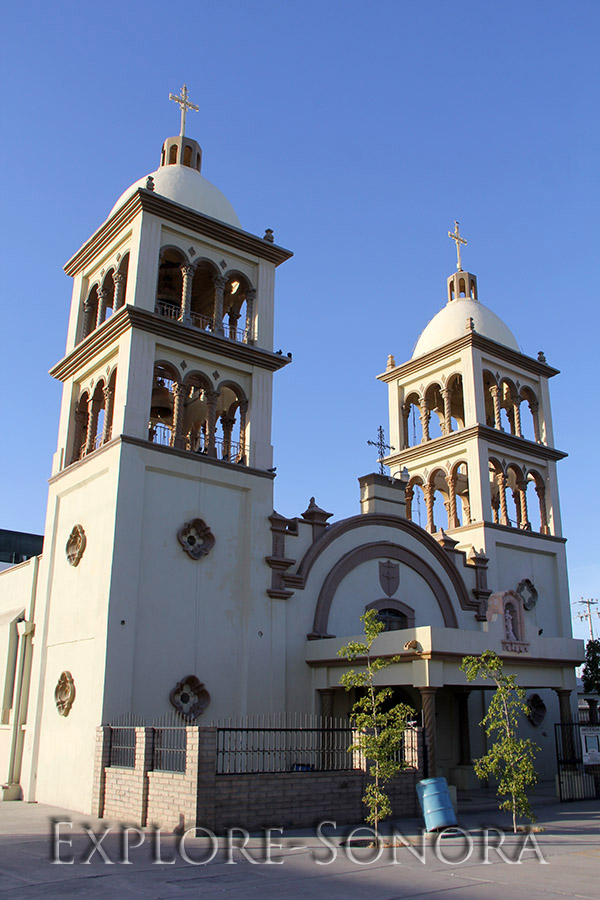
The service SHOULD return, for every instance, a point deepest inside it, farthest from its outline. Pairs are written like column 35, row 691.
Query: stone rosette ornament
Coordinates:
column 189, row 697
column 64, row 694
column 528, row 593
column 196, row 538
column 76, row 545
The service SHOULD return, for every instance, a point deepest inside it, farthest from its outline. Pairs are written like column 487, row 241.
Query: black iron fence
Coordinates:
column 577, row 749
column 169, row 745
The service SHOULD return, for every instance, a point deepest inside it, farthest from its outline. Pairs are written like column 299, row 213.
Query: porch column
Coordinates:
column 428, row 701
column 523, row 500
column 408, row 496
column 447, row 398
column 502, row 494
column 541, row 492
column 227, row 423
column 429, row 499
column 109, row 397
column 424, row 416
column 88, row 322
column 405, row 416
column 243, row 418
column 535, row 408
column 452, row 513
column 564, row 705
column 517, row 414
column 92, row 422
column 464, row 737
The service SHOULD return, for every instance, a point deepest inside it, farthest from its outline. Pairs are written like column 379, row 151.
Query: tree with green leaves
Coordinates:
column 510, row 760
column 378, row 730
column 590, row 674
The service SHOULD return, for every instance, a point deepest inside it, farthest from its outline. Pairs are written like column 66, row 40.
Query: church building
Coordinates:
column 167, row 578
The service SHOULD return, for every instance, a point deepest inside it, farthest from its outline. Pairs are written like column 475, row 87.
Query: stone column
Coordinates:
column 81, row 417
column 452, row 513
column 541, row 492
column 516, row 401
column 494, row 391
column 88, row 322
column 464, row 737
column 495, row 508
column 227, row 423
column 250, row 298
column 92, row 419
column 424, row 416
column 219, row 283
column 119, row 281
column 428, row 701
column 178, row 406
column 502, row 496
column 517, row 500
column 109, row 396
column 429, row 499
column 187, row 273
column 447, row 398
column 243, row 407
column 102, row 295
column 524, row 518
column 211, row 400
column 408, row 496
column 405, row 409
column 233, row 323
column 535, row 408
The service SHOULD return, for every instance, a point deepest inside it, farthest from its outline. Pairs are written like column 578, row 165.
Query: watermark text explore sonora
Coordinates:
column 199, row 846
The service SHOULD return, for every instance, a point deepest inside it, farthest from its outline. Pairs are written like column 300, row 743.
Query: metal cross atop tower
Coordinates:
column 381, row 447
column 184, row 105
column 455, row 236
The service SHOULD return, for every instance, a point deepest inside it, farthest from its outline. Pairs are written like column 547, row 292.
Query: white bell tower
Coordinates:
column 162, row 484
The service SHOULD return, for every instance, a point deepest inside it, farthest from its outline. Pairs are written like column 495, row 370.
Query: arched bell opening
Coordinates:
column 90, row 312
column 509, row 407
column 499, row 510
column 435, row 411
column 81, row 427
column 516, row 491
column 231, row 424
column 170, row 283
column 530, row 410
column 236, row 322
column 107, row 298
column 197, row 393
column 162, row 404
column 456, row 402
column 491, row 396
column 438, row 502
column 415, row 501
column 538, row 512
column 412, row 421
column 458, row 495
column 206, row 277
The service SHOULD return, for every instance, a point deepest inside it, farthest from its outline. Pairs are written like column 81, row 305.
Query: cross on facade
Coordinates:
column 381, row 447
column 184, row 105
column 455, row 236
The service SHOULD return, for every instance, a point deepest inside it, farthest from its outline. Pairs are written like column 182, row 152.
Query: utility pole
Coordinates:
column 587, row 616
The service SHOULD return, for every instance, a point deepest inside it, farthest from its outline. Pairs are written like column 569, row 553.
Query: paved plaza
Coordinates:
column 561, row 859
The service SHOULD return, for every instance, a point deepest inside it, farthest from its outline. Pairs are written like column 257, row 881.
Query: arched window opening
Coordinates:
column 162, row 405
column 173, row 155
column 472, row 290
column 517, row 498
column 538, row 512
column 510, row 419
column 107, row 297
column 458, row 485
column 437, row 501
column 491, row 396
column 239, row 315
column 81, row 427
column 120, row 283
column 462, row 290
column 530, row 423
column 452, row 294
column 230, row 433
column 90, row 312
column 170, row 283
column 392, row 619
column 204, row 296
column 455, row 400
column 411, row 421
column 499, row 508
column 187, row 156
column 436, row 411
column 95, row 420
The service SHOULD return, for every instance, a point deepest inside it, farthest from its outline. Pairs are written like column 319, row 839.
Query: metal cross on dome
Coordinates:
column 184, row 105
column 381, row 447
column 455, row 236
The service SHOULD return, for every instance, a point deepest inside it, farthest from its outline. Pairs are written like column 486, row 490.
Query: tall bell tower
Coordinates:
column 470, row 420
column 162, row 483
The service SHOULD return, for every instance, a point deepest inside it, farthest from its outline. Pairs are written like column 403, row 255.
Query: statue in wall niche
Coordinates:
column 509, row 625
column 196, row 538
column 64, row 694
column 75, row 545
column 189, row 697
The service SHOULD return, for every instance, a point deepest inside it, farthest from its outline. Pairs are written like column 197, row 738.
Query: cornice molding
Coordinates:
column 441, row 656
column 509, row 443
column 471, row 339
column 155, row 204
column 129, row 317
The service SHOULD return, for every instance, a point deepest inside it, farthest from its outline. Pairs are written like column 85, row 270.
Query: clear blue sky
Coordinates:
column 358, row 132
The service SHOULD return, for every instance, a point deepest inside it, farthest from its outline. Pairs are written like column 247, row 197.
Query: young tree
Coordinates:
column 379, row 731
column 590, row 674
column 510, row 759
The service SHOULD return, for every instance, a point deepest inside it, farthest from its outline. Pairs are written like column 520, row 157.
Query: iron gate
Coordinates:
column 576, row 781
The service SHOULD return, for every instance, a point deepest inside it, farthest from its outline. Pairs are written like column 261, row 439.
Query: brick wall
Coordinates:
column 180, row 800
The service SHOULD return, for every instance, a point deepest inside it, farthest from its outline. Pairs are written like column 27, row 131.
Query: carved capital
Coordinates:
column 118, row 278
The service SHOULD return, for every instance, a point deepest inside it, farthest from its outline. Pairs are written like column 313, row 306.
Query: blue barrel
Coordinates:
column 434, row 798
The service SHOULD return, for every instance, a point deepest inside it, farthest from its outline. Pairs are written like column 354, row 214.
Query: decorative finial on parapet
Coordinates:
column 268, row 235
column 470, row 326
column 149, row 183
column 184, row 105
column 541, row 356
column 391, row 362
column 455, row 236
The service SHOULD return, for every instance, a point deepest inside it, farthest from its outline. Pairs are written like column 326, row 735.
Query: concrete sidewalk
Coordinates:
column 303, row 864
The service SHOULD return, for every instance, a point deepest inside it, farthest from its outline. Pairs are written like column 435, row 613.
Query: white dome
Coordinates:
column 451, row 323
column 186, row 186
